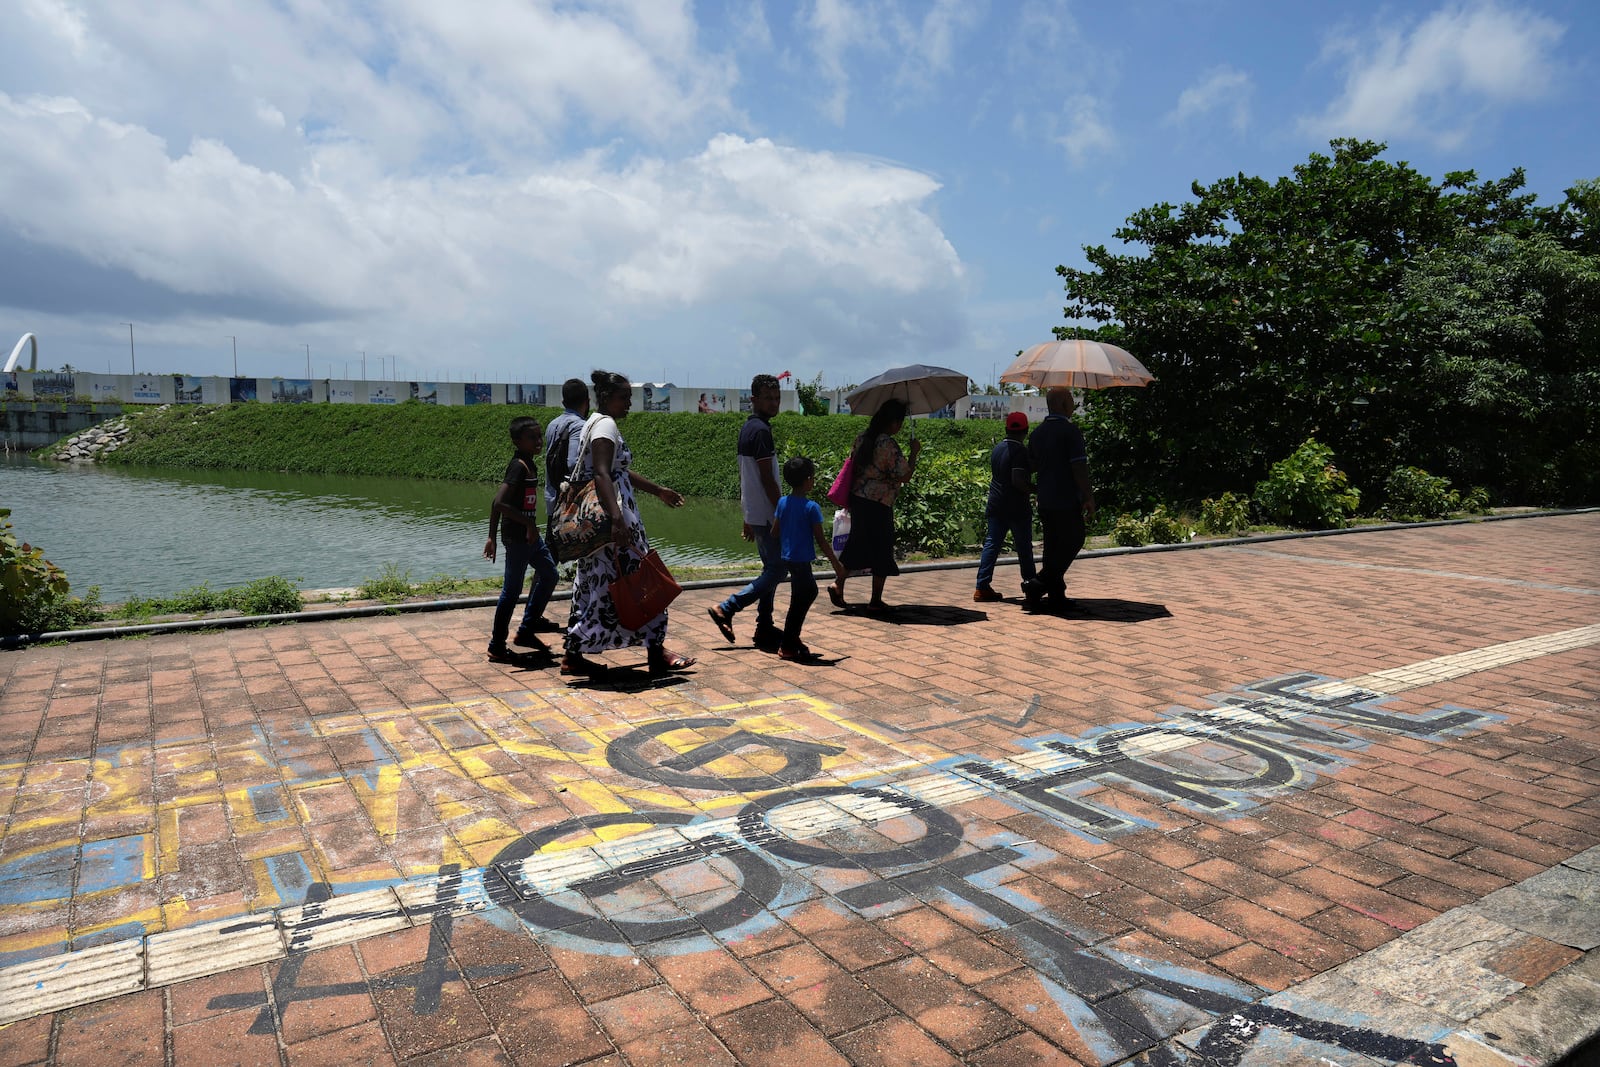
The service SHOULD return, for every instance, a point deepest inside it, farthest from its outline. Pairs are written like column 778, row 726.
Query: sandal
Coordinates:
column 664, row 662
column 724, row 623
column 835, row 595
column 578, row 667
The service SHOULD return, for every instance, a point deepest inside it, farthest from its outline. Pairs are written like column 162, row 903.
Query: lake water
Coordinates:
column 153, row 531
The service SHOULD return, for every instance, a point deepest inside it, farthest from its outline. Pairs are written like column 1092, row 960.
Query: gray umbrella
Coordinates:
column 925, row 389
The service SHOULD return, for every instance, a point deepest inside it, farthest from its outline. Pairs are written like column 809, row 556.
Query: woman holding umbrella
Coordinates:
column 880, row 469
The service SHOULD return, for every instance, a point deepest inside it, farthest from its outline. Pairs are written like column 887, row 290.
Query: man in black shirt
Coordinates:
column 1061, row 462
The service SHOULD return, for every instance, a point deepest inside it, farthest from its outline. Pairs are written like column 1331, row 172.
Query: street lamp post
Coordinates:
column 308, row 361
column 133, row 365
column 363, row 364
column 383, row 361
column 235, row 341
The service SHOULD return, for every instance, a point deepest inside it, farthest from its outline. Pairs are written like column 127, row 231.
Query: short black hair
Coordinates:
column 521, row 425
column 796, row 469
column 762, row 382
column 574, row 393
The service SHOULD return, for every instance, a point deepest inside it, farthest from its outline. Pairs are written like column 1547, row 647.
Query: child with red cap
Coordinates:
column 1009, row 510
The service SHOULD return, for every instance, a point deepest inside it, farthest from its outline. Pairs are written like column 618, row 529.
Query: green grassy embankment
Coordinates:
column 691, row 452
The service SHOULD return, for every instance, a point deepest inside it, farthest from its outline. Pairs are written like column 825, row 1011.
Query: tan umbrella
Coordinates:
column 1076, row 365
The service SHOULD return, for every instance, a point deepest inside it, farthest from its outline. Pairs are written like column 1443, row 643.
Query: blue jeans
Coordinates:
column 765, row 587
column 1020, row 527
column 802, row 594
column 519, row 557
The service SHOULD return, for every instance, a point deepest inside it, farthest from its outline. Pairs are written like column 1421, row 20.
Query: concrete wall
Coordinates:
column 79, row 387
column 25, row 427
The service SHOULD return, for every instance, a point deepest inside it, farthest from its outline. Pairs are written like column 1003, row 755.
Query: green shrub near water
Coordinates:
column 272, row 595
column 35, row 595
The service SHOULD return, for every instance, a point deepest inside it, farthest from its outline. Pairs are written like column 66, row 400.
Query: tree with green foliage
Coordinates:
column 812, row 401
column 1330, row 303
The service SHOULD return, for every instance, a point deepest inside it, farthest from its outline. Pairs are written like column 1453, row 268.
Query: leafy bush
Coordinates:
column 938, row 511
column 1307, row 490
column 1226, row 515
column 272, row 595
column 1160, row 527
column 1129, row 532
column 390, row 586
column 1166, row 528
column 1412, row 495
column 35, row 590
column 199, row 599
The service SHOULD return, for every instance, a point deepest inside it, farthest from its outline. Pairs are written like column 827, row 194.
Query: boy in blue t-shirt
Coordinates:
column 799, row 524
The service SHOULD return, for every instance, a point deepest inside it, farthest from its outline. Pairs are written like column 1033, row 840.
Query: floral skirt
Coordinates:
column 592, row 625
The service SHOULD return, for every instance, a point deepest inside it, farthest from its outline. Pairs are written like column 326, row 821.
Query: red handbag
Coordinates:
column 643, row 593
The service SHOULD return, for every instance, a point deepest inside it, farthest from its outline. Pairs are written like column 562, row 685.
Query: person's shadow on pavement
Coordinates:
column 917, row 614
column 1108, row 609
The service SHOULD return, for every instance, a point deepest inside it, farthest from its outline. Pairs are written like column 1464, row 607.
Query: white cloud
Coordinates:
column 348, row 172
column 512, row 69
column 928, row 47
column 1221, row 89
column 582, row 248
column 1082, row 131
column 1436, row 78
column 835, row 26
column 64, row 22
column 918, row 43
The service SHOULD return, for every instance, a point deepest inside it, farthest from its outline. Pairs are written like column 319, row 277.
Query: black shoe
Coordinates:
column 768, row 638
column 542, row 625
column 1032, row 591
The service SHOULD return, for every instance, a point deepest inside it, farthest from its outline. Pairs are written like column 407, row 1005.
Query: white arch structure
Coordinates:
column 16, row 353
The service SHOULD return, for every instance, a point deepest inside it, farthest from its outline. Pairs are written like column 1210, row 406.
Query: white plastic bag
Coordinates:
column 841, row 529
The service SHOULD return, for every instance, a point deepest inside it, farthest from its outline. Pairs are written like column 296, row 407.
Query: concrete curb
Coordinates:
column 234, row 622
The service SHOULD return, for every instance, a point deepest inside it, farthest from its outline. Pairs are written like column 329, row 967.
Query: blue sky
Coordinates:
column 521, row 190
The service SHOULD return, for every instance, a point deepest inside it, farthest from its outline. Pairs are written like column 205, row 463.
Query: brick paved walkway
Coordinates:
column 1321, row 800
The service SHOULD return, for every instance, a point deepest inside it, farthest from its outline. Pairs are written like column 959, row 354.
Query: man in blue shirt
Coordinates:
column 758, row 498
column 1061, row 463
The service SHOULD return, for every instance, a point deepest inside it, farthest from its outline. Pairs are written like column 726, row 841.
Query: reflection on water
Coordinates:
column 153, row 531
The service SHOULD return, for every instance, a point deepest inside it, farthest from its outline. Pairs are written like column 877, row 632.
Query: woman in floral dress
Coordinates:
column 593, row 625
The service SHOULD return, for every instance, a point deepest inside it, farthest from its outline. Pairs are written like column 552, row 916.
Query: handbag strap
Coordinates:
column 583, row 446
